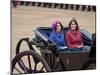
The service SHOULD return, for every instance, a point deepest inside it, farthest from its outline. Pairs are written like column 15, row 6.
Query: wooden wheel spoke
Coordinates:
column 35, row 67
column 23, row 65
column 29, row 61
column 18, row 70
column 42, row 68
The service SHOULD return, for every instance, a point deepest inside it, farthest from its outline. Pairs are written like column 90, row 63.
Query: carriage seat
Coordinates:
column 45, row 32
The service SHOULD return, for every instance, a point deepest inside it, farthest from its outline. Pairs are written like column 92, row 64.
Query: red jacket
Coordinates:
column 73, row 39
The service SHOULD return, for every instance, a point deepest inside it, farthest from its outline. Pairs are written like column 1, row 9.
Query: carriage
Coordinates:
column 50, row 60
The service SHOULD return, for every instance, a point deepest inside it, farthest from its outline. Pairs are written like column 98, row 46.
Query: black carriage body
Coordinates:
column 68, row 60
column 65, row 60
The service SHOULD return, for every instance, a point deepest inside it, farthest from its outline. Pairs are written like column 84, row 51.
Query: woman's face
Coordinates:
column 58, row 29
column 73, row 26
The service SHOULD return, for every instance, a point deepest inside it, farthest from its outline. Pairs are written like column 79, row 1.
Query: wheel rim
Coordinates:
column 29, row 67
column 21, row 42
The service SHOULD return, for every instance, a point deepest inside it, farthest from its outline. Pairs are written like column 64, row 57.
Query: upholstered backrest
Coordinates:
column 45, row 31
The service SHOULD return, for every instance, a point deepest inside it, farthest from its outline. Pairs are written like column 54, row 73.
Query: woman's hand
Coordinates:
column 80, row 46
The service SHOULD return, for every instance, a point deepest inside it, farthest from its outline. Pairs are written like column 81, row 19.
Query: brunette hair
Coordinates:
column 73, row 20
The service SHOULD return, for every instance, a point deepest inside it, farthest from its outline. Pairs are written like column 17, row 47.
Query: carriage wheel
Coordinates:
column 90, row 64
column 23, row 42
column 30, row 62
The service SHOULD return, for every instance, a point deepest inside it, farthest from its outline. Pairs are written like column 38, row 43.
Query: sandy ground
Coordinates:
column 27, row 18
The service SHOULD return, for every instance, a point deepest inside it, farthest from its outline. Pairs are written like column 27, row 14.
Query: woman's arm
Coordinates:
column 81, row 40
column 51, row 38
column 68, row 41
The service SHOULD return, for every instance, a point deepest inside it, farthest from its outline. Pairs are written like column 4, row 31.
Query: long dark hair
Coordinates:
column 73, row 20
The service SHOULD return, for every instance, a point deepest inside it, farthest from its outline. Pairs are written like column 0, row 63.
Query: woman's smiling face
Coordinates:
column 58, row 29
column 73, row 26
